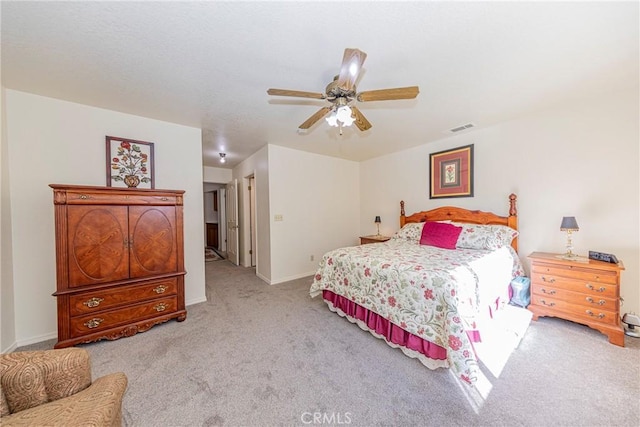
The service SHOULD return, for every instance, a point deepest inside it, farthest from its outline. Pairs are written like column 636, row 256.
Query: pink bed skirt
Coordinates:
column 392, row 333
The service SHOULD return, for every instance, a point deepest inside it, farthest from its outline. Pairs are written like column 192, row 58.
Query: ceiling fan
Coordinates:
column 341, row 93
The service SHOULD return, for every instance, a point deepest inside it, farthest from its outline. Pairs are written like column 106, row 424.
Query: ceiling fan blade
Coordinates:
column 361, row 121
column 389, row 94
column 317, row 116
column 298, row 93
column 350, row 69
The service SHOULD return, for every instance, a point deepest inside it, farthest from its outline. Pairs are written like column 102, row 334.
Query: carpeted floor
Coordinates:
column 260, row 355
column 211, row 254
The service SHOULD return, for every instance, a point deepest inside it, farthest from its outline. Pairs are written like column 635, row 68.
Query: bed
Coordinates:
column 428, row 291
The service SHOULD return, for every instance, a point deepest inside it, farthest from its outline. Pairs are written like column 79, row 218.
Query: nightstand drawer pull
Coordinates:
column 590, row 286
column 93, row 323
column 600, row 302
column 551, row 304
column 160, row 289
column 93, row 302
column 544, row 291
column 599, row 316
column 552, row 280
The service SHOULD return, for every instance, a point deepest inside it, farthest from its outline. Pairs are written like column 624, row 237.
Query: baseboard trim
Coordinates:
column 295, row 277
column 37, row 339
column 196, row 301
column 11, row 348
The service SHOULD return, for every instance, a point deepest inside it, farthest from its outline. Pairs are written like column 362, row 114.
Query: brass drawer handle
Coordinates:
column 544, row 291
column 160, row 289
column 551, row 304
column 552, row 280
column 600, row 302
column 590, row 286
column 164, row 199
column 93, row 302
column 93, row 323
column 599, row 316
column 160, row 307
column 84, row 196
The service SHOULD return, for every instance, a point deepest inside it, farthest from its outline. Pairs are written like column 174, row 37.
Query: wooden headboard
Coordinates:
column 456, row 214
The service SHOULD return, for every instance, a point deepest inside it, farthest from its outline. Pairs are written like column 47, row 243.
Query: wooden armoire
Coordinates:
column 119, row 261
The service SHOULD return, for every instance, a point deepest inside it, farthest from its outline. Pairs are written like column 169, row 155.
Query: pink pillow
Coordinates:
column 440, row 234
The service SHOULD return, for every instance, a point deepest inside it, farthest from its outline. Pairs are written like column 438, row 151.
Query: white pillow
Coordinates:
column 411, row 231
column 479, row 236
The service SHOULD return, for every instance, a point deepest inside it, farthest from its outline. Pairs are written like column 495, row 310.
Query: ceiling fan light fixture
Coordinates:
column 222, row 157
column 332, row 119
column 342, row 116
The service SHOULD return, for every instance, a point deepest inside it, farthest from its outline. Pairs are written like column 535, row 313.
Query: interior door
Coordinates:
column 233, row 254
column 252, row 219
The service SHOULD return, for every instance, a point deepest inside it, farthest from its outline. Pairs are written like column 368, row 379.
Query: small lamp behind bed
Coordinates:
column 377, row 221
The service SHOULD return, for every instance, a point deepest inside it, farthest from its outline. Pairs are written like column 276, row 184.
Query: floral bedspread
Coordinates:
column 436, row 294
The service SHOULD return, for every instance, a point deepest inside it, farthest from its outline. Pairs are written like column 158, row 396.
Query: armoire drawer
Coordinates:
column 105, row 299
column 83, row 325
column 80, row 197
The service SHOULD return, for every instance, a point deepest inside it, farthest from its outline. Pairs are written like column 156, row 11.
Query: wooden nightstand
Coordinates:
column 583, row 292
column 373, row 239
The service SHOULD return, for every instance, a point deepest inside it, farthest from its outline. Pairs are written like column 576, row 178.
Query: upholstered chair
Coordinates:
column 54, row 388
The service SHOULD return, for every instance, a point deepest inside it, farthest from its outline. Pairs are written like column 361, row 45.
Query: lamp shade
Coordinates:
column 569, row 223
column 377, row 220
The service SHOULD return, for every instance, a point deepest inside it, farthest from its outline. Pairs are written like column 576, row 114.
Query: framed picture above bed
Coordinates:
column 451, row 173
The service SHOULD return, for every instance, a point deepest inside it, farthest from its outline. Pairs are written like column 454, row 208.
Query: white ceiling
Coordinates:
column 209, row 64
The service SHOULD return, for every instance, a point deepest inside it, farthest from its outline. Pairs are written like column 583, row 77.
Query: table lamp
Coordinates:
column 569, row 224
column 377, row 221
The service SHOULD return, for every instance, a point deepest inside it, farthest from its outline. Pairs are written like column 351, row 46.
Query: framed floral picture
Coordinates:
column 129, row 163
column 451, row 173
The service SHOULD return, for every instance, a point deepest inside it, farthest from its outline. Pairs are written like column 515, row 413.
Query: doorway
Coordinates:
column 214, row 219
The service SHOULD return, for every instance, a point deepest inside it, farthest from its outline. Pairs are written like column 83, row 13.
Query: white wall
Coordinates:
column 7, row 309
column 216, row 175
column 577, row 160
column 52, row 141
column 319, row 200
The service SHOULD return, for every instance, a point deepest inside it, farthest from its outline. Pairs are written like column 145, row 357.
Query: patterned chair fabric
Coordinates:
column 53, row 387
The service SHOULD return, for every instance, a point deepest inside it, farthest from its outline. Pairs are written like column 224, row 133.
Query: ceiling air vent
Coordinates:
column 461, row 128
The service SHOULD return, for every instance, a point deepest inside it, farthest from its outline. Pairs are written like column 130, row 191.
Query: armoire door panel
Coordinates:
column 97, row 244
column 152, row 231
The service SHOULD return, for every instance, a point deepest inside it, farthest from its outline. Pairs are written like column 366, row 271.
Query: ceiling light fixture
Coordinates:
column 222, row 157
column 341, row 115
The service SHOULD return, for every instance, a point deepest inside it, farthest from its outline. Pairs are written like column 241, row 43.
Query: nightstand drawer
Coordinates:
column 589, row 314
column 579, row 298
column 579, row 273
column 551, row 281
